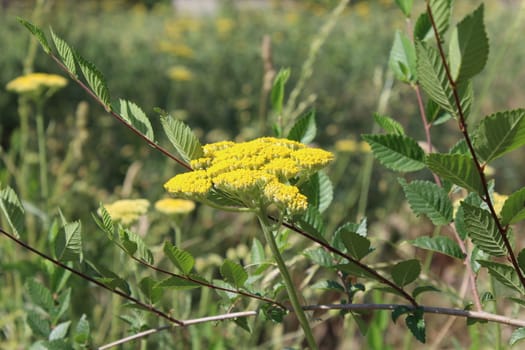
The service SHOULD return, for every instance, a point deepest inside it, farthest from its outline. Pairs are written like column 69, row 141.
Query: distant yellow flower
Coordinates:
column 257, row 173
column 224, row 26
column 364, row 147
column 499, row 200
column 347, row 145
column 180, row 73
column 362, row 9
column 33, row 82
column 180, row 50
column 127, row 211
column 172, row 206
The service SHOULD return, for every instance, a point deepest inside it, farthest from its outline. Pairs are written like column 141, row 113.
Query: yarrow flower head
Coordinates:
column 256, row 173
column 34, row 82
column 127, row 211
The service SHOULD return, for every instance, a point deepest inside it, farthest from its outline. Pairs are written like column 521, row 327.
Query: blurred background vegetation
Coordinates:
column 206, row 68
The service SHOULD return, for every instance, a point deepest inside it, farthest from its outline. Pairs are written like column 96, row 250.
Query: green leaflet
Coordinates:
column 429, row 199
column 468, row 47
column 456, row 168
column 60, row 331
column 37, row 33
column 405, row 272
column 95, row 79
column 233, row 273
column 136, row 117
column 356, row 245
column 68, row 243
column 517, row 335
column 81, row 332
column 416, row 323
column 319, row 191
column 397, row 152
column 183, row 260
column 403, row 58
column 440, row 244
column 388, row 124
column 513, row 209
column 504, row 274
column 133, row 245
column 277, row 93
column 177, row 283
column 150, row 289
column 483, row 231
column 65, row 52
column 433, row 77
column 108, row 277
column 181, row 137
column 441, row 10
column 312, row 222
column 500, row 133
column 304, row 129
column 12, row 209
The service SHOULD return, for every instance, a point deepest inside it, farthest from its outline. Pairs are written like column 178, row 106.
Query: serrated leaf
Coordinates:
column 517, row 336
column 39, row 325
column 13, row 210
column 440, row 244
column 312, row 222
column 182, row 259
column 513, row 209
column 65, row 52
column 177, row 283
column 423, row 28
column 108, row 277
column 142, row 251
column 37, row 33
column 505, row 274
column 355, row 270
column 360, row 229
column 304, row 129
column 182, row 138
column 500, row 133
column 277, row 93
column 427, row 198
column 136, row 117
column 416, row 323
column 483, row 231
column 60, row 331
column 233, row 273
column 441, row 10
column 468, row 47
column 397, row 152
column 405, row 272
column 40, row 295
column 433, row 77
column 95, row 79
column 356, row 245
column 388, row 124
column 424, row 289
column 403, row 58
column 456, row 168
column 149, row 287
column 405, row 6
column 68, row 244
column 82, row 331
column 319, row 191
column 62, row 304
column 320, row 257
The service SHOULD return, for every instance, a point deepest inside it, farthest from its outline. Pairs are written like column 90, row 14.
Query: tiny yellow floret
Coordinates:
column 195, row 183
column 286, row 195
column 312, row 158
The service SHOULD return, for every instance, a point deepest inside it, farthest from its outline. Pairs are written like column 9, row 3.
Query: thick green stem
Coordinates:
column 285, row 274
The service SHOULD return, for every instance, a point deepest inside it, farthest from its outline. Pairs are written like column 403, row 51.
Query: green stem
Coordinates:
column 285, row 274
column 41, row 148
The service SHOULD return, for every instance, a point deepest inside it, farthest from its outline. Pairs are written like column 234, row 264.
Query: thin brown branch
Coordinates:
column 479, row 168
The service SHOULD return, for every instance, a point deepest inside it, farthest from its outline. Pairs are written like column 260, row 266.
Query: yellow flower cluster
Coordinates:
column 35, row 81
column 127, row 211
column 180, row 73
column 257, row 173
column 171, row 206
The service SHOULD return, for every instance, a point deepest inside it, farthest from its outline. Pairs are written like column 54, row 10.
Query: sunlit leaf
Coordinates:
column 513, row 209
column 182, row 138
column 388, row 124
column 68, row 244
column 403, row 58
column 182, row 259
column 277, row 93
column 456, row 168
column 505, row 274
column 517, row 336
column 427, row 198
column 95, row 79
column 12, row 210
column 37, row 33
column 233, row 273
column 65, row 52
column 397, row 152
column 304, row 129
column 440, row 244
column 136, row 117
column 483, row 231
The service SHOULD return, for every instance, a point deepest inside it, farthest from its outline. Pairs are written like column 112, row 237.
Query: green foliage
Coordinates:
column 183, row 260
column 304, row 129
column 136, row 117
column 513, row 209
column 37, row 33
column 406, row 272
column 505, row 274
column 95, row 79
column 440, row 244
column 405, row 6
column 12, row 210
column 277, row 93
column 456, row 168
column 234, row 274
column 388, row 124
column 181, row 137
column 403, row 58
column 429, row 199
column 356, row 245
column 66, row 53
column 397, row 152
column 482, row 229
column 319, row 191
column 517, row 336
